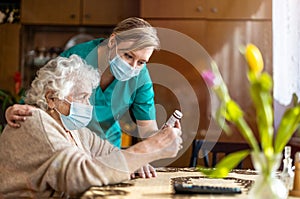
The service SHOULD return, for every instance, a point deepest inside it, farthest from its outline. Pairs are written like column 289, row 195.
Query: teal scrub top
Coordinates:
column 111, row 104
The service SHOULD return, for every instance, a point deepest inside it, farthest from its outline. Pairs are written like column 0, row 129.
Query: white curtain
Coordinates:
column 286, row 50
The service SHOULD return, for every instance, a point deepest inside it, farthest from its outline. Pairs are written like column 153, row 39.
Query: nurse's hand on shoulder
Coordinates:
column 17, row 113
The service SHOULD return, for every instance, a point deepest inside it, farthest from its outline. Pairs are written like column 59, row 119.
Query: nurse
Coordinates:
column 125, row 82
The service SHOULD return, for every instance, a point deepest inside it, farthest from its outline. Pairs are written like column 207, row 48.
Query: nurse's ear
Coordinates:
column 111, row 41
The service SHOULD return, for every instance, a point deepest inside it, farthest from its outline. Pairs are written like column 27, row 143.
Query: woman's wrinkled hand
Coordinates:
column 167, row 141
column 17, row 113
column 176, row 125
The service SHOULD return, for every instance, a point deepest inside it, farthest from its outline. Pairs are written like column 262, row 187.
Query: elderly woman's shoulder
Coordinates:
column 35, row 122
column 38, row 116
column 38, row 113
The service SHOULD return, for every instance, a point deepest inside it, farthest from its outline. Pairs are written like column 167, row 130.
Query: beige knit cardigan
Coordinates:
column 39, row 159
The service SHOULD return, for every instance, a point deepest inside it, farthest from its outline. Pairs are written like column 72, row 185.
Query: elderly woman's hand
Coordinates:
column 17, row 113
column 169, row 141
column 164, row 144
column 146, row 171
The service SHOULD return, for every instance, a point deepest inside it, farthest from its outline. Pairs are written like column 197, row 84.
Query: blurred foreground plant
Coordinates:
column 261, row 94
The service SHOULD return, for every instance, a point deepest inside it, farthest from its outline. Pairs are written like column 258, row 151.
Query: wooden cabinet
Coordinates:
column 221, row 27
column 77, row 12
column 108, row 12
column 237, row 9
column 223, row 40
column 210, row 9
column 9, row 55
column 173, row 9
column 51, row 12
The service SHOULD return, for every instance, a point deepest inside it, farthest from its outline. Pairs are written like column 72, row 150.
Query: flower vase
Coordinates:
column 267, row 184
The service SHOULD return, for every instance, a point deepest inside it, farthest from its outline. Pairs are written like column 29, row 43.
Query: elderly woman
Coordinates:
column 53, row 153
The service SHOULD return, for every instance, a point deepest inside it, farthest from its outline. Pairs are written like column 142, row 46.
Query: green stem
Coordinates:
column 247, row 134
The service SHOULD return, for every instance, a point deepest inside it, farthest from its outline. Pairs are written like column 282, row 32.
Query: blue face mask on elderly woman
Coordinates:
column 121, row 70
column 79, row 117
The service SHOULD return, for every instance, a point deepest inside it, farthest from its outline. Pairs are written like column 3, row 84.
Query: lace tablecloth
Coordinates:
column 161, row 186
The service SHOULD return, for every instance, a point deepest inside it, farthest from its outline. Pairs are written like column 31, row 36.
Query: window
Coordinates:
column 286, row 54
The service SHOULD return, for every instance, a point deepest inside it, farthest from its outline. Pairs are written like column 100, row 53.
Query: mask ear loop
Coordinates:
column 63, row 125
column 67, row 101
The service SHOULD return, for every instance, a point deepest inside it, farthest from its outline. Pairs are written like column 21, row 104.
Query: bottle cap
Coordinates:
column 177, row 114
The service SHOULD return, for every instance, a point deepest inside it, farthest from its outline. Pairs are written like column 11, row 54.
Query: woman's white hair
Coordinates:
column 60, row 76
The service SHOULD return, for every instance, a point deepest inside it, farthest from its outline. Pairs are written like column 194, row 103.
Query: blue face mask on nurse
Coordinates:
column 125, row 64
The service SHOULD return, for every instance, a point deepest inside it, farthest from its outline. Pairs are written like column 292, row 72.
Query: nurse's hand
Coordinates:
column 17, row 113
column 146, row 171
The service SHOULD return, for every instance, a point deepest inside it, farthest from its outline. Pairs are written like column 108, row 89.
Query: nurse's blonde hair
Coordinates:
column 60, row 75
column 137, row 30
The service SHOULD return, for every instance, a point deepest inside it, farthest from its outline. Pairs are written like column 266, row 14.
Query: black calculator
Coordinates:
column 196, row 189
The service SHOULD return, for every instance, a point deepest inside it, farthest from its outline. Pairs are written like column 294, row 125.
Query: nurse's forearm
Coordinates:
column 146, row 128
column 141, row 154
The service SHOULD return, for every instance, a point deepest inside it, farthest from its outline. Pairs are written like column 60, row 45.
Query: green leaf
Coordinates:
column 221, row 120
column 265, row 121
column 234, row 112
column 266, row 82
column 262, row 99
column 204, row 170
column 288, row 125
column 295, row 99
column 228, row 163
column 247, row 133
column 5, row 103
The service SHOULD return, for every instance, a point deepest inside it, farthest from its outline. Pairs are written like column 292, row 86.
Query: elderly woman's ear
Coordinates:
column 50, row 99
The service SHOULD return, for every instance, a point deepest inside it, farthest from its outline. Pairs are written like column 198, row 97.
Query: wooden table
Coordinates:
column 161, row 186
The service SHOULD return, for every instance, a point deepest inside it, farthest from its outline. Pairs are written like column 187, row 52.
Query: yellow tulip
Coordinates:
column 254, row 58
